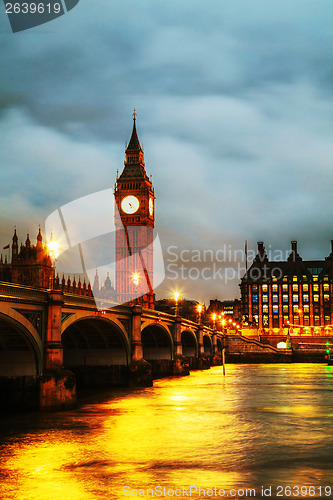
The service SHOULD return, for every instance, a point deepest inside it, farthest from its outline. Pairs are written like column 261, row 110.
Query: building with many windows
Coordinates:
column 292, row 294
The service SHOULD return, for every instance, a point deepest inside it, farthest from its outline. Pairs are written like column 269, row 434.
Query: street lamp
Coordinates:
column 53, row 251
column 214, row 319
column 199, row 311
column 300, row 313
column 176, row 297
column 135, row 283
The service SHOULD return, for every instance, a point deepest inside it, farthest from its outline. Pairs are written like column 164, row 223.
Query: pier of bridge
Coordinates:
column 51, row 341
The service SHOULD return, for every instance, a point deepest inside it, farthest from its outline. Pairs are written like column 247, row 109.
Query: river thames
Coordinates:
column 262, row 430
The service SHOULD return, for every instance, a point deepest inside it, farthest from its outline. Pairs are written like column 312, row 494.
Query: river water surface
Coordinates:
column 259, row 426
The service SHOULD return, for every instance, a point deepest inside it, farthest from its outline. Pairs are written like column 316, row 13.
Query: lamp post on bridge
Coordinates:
column 214, row 319
column 135, row 283
column 199, row 311
column 176, row 297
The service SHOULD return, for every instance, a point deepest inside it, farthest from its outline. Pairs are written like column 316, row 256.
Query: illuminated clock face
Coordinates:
column 151, row 207
column 130, row 204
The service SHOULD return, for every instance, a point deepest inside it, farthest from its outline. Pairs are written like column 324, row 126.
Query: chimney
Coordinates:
column 294, row 246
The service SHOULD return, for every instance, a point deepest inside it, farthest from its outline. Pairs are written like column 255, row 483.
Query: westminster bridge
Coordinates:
column 42, row 331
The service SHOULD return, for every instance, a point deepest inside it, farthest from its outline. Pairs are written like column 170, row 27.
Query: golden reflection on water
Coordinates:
column 259, row 425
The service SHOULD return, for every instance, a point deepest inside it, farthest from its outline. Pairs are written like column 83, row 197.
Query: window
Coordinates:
column 265, row 309
column 265, row 320
column 316, row 320
column 275, row 299
column 285, row 308
column 285, row 288
column 265, row 298
column 254, row 288
column 275, row 309
column 306, row 308
column 315, row 278
column 316, row 298
column 327, row 319
column 285, row 278
column 306, row 320
column 295, row 309
column 295, row 288
column 305, row 288
column 326, row 297
column 255, row 298
column 294, row 278
column 275, row 288
column 305, row 298
column 326, row 288
column 295, row 298
column 316, row 288
column 264, row 288
column 285, row 298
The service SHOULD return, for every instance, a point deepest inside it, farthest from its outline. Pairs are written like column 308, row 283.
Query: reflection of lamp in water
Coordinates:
column 135, row 283
column 176, row 297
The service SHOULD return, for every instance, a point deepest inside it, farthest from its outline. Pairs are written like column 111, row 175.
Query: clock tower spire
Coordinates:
column 134, row 221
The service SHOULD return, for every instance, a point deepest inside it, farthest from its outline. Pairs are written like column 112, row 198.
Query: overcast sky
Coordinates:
column 234, row 103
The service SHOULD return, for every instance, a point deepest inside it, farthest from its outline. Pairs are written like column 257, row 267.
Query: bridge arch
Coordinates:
column 94, row 340
column 157, row 341
column 189, row 343
column 21, row 348
column 208, row 345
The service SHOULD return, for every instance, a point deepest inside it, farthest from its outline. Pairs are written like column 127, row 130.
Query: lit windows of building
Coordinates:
column 288, row 294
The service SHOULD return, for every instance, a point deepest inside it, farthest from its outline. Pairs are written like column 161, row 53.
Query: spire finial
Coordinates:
column 134, row 115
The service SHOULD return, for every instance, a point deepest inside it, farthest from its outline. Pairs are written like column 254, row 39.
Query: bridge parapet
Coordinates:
column 12, row 291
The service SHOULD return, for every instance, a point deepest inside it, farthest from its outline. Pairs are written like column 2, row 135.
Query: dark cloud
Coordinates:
column 234, row 106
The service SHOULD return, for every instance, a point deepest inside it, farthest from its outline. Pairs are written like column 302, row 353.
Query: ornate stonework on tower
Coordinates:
column 134, row 221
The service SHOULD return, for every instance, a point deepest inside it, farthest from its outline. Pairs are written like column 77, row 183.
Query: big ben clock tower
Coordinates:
column 134, row 221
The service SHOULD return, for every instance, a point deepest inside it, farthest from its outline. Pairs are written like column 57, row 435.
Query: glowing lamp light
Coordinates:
column 214, row 316
column 135, row 279
column 282, row 345
column 176, row 296
column 53, row 248
column 199, row 308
